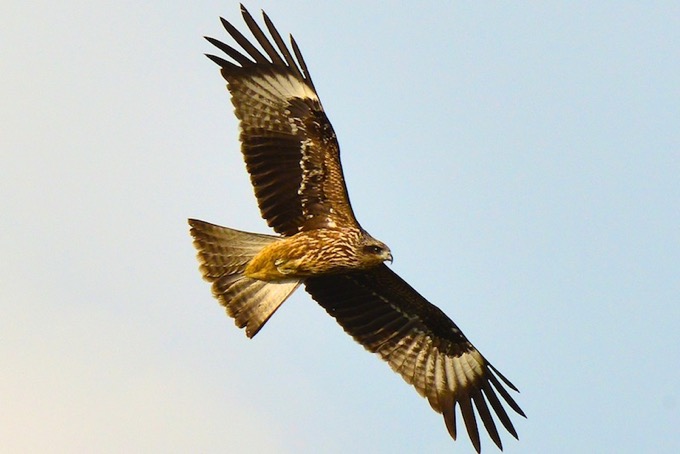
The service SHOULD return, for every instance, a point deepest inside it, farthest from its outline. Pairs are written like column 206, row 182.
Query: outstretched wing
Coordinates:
column 289, row 145
column 388, row 317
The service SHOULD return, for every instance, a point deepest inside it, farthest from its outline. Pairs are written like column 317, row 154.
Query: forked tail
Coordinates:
column 224, row 254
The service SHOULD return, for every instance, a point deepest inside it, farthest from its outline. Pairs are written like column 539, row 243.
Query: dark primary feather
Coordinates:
column 388, row 317
column 286, row 53
column 264, row 42
column 288, row 143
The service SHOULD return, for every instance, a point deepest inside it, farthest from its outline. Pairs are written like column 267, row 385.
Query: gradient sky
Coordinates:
column 522, row 161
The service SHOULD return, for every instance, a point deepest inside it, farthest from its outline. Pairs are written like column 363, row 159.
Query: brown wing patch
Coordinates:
column 288, row 143
column 419, row 342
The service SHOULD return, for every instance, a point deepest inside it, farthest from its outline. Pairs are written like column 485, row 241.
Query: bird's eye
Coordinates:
column 373, row 249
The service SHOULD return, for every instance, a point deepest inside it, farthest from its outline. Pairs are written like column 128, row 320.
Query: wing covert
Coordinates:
column 288, row 143
column 388, row 317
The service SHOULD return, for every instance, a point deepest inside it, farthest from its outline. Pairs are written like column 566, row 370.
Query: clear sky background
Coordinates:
column 522, row 161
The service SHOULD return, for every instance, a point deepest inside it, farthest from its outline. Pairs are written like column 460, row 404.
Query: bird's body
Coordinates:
column 293, row 158
column 317, row 252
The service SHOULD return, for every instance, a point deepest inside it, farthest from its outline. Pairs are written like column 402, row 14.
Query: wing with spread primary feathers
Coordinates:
column 388, row 317
column 289, row 145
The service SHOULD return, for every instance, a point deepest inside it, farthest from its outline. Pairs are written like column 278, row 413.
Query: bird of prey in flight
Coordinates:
column 293, row 158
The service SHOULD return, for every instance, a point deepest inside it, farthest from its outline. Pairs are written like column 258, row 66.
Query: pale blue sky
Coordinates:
column 522, row 161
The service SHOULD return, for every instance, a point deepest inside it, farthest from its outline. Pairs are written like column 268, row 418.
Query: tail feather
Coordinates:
column 224, row 254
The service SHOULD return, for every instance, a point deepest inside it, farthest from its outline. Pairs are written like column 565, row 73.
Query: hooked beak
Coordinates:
column 389, row 257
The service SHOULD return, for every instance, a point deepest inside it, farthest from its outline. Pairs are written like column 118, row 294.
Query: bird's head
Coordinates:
column 374, row 252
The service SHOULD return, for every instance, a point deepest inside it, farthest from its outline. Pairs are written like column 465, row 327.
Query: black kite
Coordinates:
column 293, row 158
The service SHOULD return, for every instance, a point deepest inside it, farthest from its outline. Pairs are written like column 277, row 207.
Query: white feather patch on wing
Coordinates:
column 280, row 87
